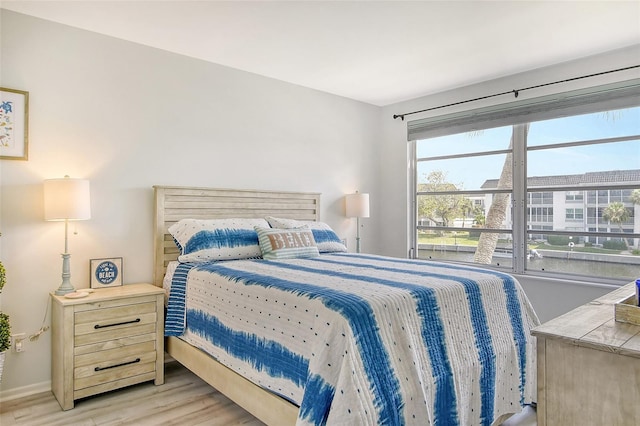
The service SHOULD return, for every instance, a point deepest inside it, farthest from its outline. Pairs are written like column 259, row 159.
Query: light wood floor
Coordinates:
column 183, row 400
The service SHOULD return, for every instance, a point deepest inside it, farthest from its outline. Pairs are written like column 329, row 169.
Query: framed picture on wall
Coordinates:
column 106, row 272
column 14, row 124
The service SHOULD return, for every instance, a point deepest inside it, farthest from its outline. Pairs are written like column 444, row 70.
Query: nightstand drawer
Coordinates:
column 125, row 324
column 128, row 369
column 105, row 372
column 115, row 313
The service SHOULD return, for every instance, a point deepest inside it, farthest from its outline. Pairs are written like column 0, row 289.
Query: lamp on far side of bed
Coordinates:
column 357, row 205
column 64, row 200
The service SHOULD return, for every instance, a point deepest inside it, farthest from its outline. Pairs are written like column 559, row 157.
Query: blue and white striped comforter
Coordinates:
column 361, row 339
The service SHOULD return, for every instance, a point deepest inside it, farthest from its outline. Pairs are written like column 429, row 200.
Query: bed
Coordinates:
column 368, row 344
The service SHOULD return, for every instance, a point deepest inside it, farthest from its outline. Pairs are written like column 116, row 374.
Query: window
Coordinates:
column 541, row 198
column 574, row 196
column 574, row 214
column 474, row 204
column 540, row 214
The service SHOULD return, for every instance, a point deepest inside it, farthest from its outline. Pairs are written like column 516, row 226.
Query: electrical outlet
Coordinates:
column 17, row 341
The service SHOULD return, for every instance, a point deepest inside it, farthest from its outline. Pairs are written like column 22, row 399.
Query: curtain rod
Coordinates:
column 515, row 92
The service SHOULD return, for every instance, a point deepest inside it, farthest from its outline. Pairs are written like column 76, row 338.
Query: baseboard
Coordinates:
column 9, row 394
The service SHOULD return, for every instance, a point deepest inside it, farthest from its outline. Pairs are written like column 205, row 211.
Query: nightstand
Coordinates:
column 110, row 339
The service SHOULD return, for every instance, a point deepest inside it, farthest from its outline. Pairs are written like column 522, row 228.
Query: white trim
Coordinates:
column 518, row 198
column 413, row 208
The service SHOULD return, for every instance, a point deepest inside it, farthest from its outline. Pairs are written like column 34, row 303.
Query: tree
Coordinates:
column 618, row 214
column 439, row 208
column 466, row 208
column 499, row 207
column 478, row 216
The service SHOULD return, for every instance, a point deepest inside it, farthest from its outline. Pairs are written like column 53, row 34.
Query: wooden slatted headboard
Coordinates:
column 173, row 203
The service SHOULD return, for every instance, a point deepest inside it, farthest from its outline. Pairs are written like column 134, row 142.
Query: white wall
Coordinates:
column 127, row 117
column 550, row 297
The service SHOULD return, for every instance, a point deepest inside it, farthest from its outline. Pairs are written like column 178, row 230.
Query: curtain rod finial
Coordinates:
column 401, row 116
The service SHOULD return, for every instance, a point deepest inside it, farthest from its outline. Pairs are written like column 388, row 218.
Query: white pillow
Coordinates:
column 326, row 239
column 217, row 239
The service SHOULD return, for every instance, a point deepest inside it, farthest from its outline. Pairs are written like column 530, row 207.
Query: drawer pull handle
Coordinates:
column 97, row 326
column 117, row 365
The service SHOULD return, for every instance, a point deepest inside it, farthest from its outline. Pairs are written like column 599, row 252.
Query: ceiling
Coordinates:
column 378, row 52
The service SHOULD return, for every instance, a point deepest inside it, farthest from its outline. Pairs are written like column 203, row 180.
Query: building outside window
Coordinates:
column 574, row 214
column 572, row 208
column 574, row 196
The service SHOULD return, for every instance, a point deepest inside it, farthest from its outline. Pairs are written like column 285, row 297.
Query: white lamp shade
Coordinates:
column 357, row 205
column 67, row 199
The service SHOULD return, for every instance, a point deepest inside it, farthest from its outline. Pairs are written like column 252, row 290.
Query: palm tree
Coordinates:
column 617, row 213
column 499, row 207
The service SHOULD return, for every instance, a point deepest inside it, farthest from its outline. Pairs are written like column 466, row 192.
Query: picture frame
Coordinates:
column 105, row 272
column 14, row 124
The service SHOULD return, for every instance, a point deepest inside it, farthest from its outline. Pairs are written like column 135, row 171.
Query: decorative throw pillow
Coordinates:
column 326, row 239
column 286, row 243
column 216, row 239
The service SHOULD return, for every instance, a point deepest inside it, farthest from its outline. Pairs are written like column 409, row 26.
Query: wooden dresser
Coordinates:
column 589, row 366
column 110, row 339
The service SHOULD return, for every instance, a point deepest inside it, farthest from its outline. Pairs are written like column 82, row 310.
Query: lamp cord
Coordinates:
column 33, row 337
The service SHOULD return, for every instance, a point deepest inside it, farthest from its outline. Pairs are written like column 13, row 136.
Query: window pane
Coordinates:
column 460, row 211
column 466, row 173
column 464, row 143
column 582, row 255
column 462, row 246
column 574, row 196
column 601, row 125
column 580, row 165
column 603, row 210
column 469, row 173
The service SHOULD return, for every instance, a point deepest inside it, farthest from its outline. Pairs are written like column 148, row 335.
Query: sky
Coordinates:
column 470, row 173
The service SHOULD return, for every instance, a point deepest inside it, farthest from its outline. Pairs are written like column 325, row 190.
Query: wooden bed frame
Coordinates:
column 174, row 203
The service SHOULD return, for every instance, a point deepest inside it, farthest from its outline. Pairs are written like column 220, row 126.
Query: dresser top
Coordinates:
column 124, row 291
column 593, row 325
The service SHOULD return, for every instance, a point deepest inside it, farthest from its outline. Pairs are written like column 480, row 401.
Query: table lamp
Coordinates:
column 64, row 200
column 357, row 205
